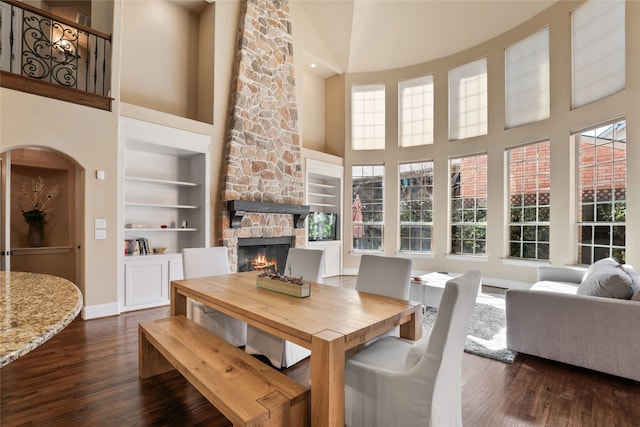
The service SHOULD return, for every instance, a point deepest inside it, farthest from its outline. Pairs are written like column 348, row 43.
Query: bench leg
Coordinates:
column 278, row 406
column 150, row 361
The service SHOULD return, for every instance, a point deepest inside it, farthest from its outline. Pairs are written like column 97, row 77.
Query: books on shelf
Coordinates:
column 137, row 246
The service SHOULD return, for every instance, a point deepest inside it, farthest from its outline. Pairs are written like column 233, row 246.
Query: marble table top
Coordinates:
column 34, row 308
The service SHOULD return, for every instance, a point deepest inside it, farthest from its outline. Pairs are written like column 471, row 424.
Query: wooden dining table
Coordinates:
column 329, row 322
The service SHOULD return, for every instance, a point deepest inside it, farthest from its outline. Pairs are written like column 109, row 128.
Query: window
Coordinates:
column 367, row 117
column 527, row 80
column 416, row 111
column 469, row 205
column 367, row 207
column 416, row 206
column 468, row 100
column 602, row 185
column 529, row 195
column 597, row 30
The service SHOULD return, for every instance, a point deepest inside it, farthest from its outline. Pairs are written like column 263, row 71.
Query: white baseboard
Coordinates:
column 102, row 310
column 349, row 271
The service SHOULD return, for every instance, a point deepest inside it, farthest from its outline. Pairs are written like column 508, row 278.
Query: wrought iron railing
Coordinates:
column 42, row 46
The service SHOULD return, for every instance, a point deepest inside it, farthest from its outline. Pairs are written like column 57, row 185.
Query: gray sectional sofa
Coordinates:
column 560, row 317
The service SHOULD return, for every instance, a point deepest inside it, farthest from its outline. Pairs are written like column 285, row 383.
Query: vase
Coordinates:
column 36, row 231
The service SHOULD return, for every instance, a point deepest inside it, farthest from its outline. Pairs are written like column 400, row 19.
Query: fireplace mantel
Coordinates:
column 237, row 209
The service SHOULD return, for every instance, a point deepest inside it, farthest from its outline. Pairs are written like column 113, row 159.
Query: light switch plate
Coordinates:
column 101, row 234
column 101, row 223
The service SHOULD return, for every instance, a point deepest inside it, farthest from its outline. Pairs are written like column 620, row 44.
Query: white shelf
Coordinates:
column 323, row 205
column 321, row 185
column 159, row 229
column 322, row 195
column 159, row 205
column 161, row 181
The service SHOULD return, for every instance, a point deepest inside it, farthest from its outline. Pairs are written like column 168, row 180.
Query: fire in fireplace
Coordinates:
column 263, row 253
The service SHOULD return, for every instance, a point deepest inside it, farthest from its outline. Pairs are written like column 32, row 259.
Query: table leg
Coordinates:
column 178, row 302
column 327, row 379
column 413, row 328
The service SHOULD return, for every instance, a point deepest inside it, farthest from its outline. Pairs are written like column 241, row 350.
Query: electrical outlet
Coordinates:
column 101, row 223
column 101, row 234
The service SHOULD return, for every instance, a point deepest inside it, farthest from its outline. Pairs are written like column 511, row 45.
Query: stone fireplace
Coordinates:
column 263, row 160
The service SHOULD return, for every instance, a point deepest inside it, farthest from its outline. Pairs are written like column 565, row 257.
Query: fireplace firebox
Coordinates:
column 263, row 253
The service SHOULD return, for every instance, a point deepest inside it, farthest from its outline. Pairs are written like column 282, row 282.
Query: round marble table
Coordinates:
column 35, row 307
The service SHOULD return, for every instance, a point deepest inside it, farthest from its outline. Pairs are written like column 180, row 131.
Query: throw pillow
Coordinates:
column 606, row 278
column 635, row 281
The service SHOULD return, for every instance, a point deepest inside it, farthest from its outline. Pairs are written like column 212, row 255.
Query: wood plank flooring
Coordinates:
column 88, row 376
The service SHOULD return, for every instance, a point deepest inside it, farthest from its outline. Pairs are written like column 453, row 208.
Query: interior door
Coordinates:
column 5, row 204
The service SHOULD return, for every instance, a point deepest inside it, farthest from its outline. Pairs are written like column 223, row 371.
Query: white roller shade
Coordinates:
column 597, row 29
column 468, row 100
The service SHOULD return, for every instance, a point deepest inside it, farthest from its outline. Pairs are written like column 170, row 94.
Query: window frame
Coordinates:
column 526, row 210
column 617, row 251
column 420, row 224
column 368, row 227
column 478, row 206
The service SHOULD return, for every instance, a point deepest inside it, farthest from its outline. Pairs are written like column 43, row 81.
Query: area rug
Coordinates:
column 487, row 336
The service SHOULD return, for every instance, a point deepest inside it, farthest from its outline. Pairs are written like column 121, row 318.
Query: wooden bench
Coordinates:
column 246, row 391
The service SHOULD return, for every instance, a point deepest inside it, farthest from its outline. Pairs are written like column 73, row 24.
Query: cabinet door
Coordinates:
column 175, row 269
column 332, row 260
column 146, row 282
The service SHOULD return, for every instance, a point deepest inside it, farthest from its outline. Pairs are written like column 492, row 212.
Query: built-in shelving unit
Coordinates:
column 324, row 195
column 165, row 204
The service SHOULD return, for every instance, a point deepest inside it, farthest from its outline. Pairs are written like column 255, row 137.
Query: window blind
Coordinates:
column 468, row 100
column 527, row 80
column 416, row 111
column 598, row 45
column 367, row 117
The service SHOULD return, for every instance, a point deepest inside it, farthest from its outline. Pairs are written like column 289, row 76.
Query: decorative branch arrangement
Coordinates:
column 39, row 201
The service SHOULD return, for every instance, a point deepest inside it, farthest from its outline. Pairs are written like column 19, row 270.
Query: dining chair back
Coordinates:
column 400, row 382
column 305, row 263
column 382, row 275
column 211, row 261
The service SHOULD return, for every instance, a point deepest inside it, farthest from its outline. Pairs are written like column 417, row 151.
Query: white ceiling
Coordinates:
column 369, row 35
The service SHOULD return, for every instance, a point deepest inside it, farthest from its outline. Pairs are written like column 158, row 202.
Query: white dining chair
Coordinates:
column 213, row 261
column 382, row 275
column 417, row 383
column 305, row 263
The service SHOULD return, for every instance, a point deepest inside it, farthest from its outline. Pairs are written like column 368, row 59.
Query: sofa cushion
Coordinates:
column 559, row 287
column 606, row 278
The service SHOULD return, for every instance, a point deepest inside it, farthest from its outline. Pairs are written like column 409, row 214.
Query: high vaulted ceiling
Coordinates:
column 370, row 35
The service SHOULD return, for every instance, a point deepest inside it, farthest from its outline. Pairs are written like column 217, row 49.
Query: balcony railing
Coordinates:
column 47, row 55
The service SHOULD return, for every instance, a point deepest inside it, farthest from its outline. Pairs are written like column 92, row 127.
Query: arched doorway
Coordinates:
column 39, row 180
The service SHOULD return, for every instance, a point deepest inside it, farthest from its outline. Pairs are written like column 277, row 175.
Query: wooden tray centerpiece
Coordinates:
column 294, row 286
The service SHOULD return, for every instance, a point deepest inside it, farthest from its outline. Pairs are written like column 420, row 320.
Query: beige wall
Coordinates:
column 89, row 137
column 557, row 128
column 159, row 57
column 311, row 108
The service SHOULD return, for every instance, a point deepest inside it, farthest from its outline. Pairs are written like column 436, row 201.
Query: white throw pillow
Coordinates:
column 635, row 281
column 606, row 278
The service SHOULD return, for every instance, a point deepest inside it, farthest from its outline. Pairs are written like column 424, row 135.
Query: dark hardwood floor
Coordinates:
column 88, row 376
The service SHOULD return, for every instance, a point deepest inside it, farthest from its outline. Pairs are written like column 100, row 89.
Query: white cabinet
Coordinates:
column 165, row 206
column 146, row 282
column 324, row 196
